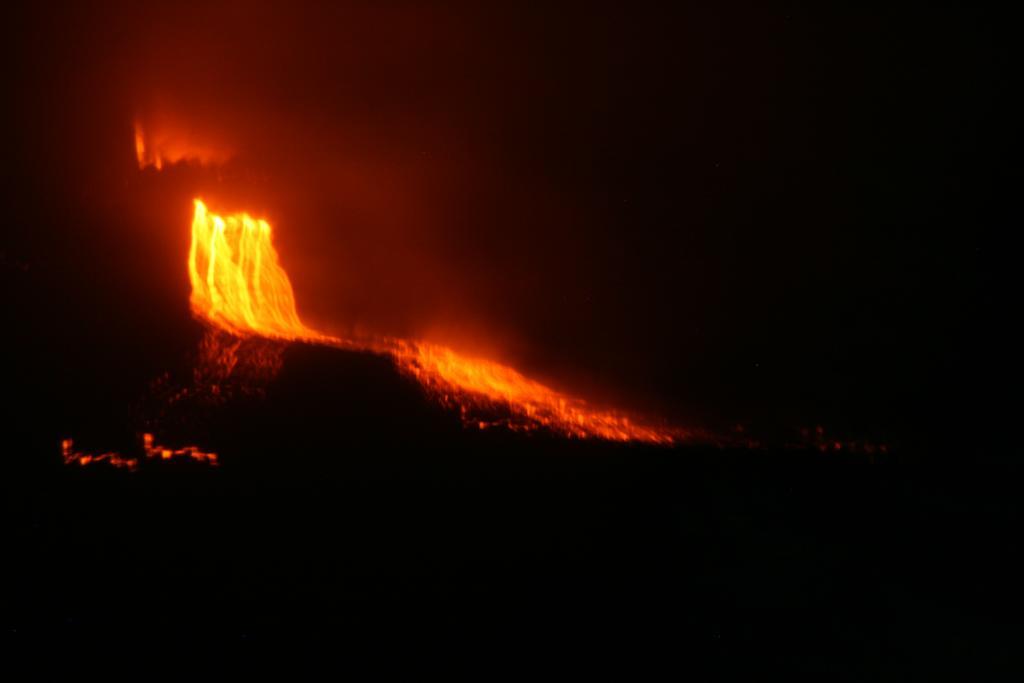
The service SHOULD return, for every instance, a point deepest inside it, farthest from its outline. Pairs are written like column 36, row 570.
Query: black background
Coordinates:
column 779, row 217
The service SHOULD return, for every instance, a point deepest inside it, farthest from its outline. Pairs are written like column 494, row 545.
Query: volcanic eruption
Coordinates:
column 239, row 286
column 561, row 326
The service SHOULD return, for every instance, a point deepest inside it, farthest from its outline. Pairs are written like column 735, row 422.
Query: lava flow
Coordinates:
column 152, row 450
column 67, row 449
column 156, row 147
column 237, row 282
column 475, row 385
column 238, row 285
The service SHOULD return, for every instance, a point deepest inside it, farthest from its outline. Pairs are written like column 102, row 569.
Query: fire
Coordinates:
column 238, row 285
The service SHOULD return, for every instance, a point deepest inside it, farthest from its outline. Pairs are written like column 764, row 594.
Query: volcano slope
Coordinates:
column 350, row 508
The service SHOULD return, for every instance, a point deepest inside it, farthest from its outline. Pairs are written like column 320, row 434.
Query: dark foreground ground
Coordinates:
column 370, row 524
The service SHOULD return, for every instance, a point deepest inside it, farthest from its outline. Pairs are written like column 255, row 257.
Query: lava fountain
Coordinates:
column 238, row 283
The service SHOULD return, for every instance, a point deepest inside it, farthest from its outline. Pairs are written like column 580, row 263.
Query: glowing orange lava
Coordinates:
column 480, row 384
column 164, row 453
column 157, row 147
column 238, row 284
column 149, row 447
column 143, row 153
column 71, row 456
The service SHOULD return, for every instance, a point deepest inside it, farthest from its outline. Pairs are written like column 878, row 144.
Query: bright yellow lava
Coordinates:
column 237, row 282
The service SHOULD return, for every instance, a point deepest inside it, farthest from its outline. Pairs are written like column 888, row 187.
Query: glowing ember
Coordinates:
column 154, row 450
column 239, row 285
column 71, row 456
column 149, row 447
column 480, row 384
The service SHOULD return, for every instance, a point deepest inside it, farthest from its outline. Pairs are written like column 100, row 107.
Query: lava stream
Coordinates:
column 151, row 449
column 238, row 285
column 237, row 282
